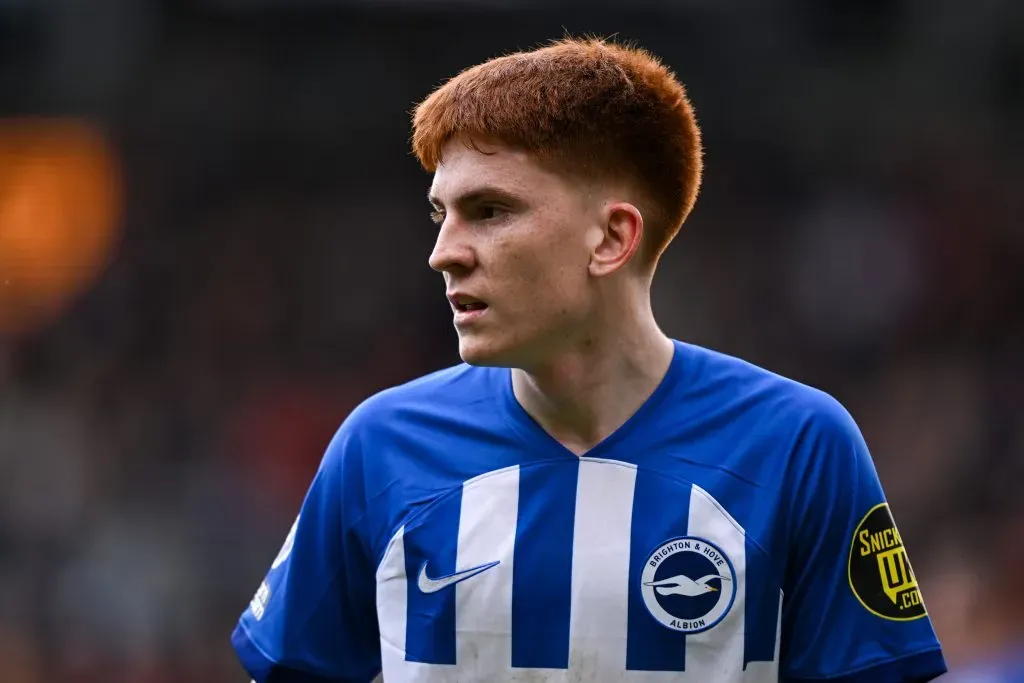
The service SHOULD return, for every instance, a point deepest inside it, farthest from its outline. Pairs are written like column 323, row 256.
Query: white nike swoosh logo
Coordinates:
column 429, row 585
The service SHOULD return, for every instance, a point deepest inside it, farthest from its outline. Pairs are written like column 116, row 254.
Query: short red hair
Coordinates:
column 594, row 108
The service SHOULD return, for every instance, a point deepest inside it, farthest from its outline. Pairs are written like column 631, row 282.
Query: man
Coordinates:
column 585, row 499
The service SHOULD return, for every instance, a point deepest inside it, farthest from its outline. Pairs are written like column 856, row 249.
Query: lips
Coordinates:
column 464, row 303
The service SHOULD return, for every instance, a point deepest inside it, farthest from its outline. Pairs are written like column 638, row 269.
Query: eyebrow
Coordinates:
column 475, row 195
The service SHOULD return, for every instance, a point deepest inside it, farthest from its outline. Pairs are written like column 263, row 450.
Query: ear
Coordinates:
column 620, row 239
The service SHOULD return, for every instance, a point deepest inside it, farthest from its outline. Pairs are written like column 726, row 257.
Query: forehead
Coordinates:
column 489, row 164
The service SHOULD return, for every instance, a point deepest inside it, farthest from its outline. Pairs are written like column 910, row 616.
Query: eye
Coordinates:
column 490, row 212
column 437, row 216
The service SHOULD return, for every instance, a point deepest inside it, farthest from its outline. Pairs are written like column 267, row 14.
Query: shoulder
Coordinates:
column 447, row 391
column 435, row 403
column 765, row 397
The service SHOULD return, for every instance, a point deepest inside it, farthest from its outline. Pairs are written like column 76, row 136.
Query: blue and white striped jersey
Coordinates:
column 732, row 530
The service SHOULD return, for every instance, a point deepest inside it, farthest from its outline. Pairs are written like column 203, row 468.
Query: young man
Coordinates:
column 585, row 499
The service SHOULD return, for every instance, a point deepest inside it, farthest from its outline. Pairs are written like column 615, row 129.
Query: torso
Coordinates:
column 658, row 556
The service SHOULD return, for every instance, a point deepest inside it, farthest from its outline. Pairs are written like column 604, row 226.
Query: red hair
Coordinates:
column 594, row 108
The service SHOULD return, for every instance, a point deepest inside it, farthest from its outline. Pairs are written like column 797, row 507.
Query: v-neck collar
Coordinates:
column 542, row 444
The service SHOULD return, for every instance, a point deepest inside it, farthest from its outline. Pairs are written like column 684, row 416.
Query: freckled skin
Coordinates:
column 526, row 258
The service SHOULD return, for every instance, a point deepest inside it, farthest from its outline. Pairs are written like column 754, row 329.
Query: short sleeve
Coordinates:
column 312, row 619
column 852, row 609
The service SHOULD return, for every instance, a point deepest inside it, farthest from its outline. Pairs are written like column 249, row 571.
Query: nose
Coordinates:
column 452, row 252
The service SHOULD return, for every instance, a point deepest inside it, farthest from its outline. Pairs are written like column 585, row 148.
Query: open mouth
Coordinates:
column 466, row 304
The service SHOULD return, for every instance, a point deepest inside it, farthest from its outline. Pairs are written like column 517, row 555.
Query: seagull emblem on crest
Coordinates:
column 684, row 585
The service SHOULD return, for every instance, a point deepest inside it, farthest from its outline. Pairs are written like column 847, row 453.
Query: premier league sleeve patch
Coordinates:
column 688, row 584
column 286, row 548
column 879, row 569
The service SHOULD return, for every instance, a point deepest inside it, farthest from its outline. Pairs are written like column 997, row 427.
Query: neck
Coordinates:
column 589, row 390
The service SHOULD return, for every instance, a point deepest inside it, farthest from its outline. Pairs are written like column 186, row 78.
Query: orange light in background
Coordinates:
column 60, row 214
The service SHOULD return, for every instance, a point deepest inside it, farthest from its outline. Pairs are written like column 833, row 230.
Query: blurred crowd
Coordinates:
column 860, row 230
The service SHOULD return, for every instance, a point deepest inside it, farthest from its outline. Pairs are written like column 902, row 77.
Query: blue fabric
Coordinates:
column 784, row 461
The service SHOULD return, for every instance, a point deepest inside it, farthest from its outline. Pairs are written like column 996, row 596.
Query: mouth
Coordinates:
column 466, row 308
column 462, row 303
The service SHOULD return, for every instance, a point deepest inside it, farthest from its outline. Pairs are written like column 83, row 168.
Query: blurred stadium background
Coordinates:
column 213, row 244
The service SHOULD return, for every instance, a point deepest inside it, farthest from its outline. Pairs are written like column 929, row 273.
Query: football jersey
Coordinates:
column 733, row 529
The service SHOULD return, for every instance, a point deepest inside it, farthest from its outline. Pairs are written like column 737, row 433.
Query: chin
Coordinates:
column 481, row 351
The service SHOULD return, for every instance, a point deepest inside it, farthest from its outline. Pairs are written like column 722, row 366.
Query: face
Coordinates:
column 515, row 244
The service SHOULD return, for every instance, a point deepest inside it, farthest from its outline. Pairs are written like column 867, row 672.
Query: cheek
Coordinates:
column 565, row 265
column 550, row 285
column 545, row 273
column 539, row 269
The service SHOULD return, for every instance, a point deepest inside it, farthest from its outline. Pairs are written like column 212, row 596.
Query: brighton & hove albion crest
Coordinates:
column 688, row 584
